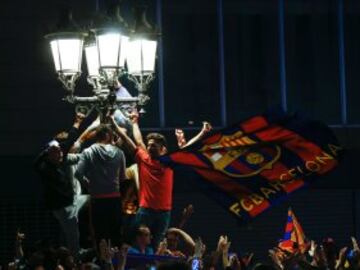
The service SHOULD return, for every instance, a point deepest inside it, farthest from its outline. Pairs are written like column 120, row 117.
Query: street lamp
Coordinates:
column 108, row 47
column 66, row 47
column 141, row 54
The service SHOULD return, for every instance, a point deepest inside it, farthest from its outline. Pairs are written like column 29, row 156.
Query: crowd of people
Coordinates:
column 194, row 255
column 67, row 168
column 87, row 170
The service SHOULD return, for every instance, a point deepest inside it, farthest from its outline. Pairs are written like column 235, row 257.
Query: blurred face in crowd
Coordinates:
column 55, row 155
column 172, row 241
column 144, row 236
column 155, row 149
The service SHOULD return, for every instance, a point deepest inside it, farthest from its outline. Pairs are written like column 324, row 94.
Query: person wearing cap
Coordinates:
column 62, row 192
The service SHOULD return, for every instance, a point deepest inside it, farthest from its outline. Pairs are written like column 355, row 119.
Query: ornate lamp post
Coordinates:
column 107, row 48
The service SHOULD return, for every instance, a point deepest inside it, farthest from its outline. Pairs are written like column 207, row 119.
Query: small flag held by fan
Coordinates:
column 294, row 239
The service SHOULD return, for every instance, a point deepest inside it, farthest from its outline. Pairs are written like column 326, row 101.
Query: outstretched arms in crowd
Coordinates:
column 180, row 136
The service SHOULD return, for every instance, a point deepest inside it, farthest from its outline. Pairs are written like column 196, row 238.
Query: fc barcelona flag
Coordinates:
column 252, row 165
column 294, row 237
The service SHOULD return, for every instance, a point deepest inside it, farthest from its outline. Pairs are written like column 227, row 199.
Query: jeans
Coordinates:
column 68, row 219
column 106, row 216
column 157, row 220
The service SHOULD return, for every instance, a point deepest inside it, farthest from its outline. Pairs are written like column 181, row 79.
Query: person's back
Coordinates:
column 105, row 165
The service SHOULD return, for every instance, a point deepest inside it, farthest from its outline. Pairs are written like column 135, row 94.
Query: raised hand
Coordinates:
column 200, row 248
column 275, row 257
column 79, row 117
column 355, row 244
column 356, row 253
column 106, row 251
column 121, row 255
column 20, row 236
column 162, row 249
column 341, row 259
column 188, row 211
column 206, row 127
column 134, row 116
column 247, row 259
column 223, row 244
column 180, row 137
column 313, row 247
column 235, row 263
column 320, row 257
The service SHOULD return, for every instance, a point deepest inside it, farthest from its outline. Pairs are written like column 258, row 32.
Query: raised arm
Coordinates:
column 205, row 129
column 186, row 214
column 124, row 137
column 134, row 117
column 180, row 137
column 73, row 133
column 19, row 252
column 190, row 243
column 88, row 134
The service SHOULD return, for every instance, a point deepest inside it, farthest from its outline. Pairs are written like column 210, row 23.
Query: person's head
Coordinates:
column 172, row 240
column 143, row 236
column 104, row 133
column 65, row 258
column 156, row 144
column 36, row 260
column 55, row 154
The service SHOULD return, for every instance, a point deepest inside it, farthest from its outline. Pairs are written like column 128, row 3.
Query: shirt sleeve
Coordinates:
column 129, row 173
column 72, row 159
column 122, row 166
column 73, row 134
column 38, row 163
column 82, row 165
column 141, row 155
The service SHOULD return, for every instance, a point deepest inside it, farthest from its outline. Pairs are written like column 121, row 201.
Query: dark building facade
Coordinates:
column 220, row 61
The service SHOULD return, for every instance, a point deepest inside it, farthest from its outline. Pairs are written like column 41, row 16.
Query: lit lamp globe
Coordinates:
column 111, row 45
column 92, row 60
column 141, row 54
column 111, row 42
column 92, row 63
column 66, row 49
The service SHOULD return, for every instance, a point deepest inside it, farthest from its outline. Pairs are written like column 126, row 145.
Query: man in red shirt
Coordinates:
column 156, row 180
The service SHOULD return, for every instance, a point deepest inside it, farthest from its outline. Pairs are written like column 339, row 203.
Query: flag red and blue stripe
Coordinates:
column 256, row 163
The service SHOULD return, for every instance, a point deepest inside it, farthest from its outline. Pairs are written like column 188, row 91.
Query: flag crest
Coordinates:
column 254, row 164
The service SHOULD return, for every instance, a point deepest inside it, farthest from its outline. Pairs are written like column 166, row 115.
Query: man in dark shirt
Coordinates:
column 60, row 188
